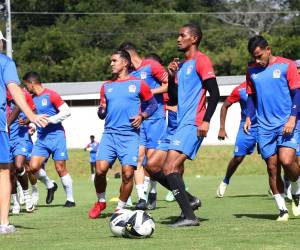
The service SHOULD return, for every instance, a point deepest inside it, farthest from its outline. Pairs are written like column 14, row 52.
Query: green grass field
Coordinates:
column 244, row 219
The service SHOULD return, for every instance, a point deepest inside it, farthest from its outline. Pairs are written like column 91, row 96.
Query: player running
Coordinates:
column 51, row 139
column 120, row 101
column 273, row 93
column 245, row 143
column 92, row 147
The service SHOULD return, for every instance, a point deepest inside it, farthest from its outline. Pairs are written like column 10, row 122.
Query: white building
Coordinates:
column 83, row 98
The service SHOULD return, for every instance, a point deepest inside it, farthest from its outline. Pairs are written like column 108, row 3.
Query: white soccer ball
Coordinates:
column 118, row 221
column 140, row 225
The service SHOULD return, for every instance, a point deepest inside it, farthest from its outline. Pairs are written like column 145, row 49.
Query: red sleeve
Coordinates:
column 204, row 68
column 55, row 99
column 102, row 96
column 292, row 76
column 234, row 96
column 8, row 96
column 249, row 85
column 159, row 72
column 29, row 100
column 145, row 91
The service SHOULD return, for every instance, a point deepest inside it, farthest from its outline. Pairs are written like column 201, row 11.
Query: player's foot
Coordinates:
column 152, row 201
column 7, row 229
column 141, row 205
column 35, row 196
column 183, row 222
column 129, row 202
column 195, row 203
column 97, row 209
column 29, row 205
column 283, row 216
column 70, row 204
column 221, row 189
column 170, row 197
column 16, row 208
column 50, row 193
column 296, row 205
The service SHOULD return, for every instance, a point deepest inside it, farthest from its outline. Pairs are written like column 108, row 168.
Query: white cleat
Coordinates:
column 16, row 208
column 283, row 216
column 29, row 205
column 7, row 229
column 35, row 197
column 221, row 189
column 296, row 205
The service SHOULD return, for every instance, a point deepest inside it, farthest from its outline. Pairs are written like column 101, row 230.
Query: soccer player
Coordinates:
column 154, row 74
column 51, row 139
column 273, row 93
column 245, row 143
column 120, row 101
column 92, row 147
column 9, row 79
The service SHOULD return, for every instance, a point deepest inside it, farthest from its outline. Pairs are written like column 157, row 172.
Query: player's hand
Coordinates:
column 222, row 134
column 40, row 120
column 203, row 129
column 247, row 125
column 173, row 66
column 289, row 126
column 136, row 121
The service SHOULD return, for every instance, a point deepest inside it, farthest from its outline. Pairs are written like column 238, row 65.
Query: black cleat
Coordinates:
column 183, row 222
column 151, row 201
column 70, row 204
column 50, row 194
column 141, row 205
column 195, row 203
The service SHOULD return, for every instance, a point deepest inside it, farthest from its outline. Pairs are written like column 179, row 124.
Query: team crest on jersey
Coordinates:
column 143, row 75
column 109, row 90
column 276, row 73
column 132, row 88
column 254, row 76
column 189, row 69
column 44, row 102
column 176, row 142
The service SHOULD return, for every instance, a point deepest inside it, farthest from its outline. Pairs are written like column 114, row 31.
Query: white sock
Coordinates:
column 146, row 184
column 295, row 187
column 101, row 197
column 42, row 176
column 34, row 188
column 153, row 187
column 26, row 194
column 15, row 199
column 121, row 204
column 67, row 184
column 280, row 202
column 140, row 191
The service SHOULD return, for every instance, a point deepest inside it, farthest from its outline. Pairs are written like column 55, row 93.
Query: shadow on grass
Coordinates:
column 22, row 227
column 56, row 205
column 171, row 219
column 247, row 195
column 257, row 216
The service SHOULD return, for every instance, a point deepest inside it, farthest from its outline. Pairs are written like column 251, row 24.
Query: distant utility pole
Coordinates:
column 8, row 30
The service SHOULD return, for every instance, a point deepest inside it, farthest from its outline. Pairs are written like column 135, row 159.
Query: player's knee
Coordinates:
column 100, row 172
column 127, row 176
column 287, row 161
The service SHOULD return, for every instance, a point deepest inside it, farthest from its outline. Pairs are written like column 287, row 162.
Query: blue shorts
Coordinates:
column 269, row 141
column 4, row 148
column 151, row 133
column 123, row 147
column 20, row 147
column 54, row 145
column 186, row 141
column 245, row 143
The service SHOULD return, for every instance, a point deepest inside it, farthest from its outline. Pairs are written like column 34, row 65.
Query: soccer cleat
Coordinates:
column 141, row 205
column 7, row 229
column 50, row 193
column 151, row 201
column 97, row 209
column 283, row 216
column 29, row 205
column 183, row 222
column 16, row 208
column 170, row 197
column 296, row 205
column 35, row 196
column 195, row 203
column 70, row 204
column 221, row 189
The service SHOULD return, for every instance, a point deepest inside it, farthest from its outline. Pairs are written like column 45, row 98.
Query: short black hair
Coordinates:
column 92, row 136
column 257, row 41
column 127, row 46
column 155, row 57
column 125, row 55
column 31, row 75
column 195, row 30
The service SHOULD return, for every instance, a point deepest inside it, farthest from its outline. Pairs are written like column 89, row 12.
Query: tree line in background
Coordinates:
column 77, row 47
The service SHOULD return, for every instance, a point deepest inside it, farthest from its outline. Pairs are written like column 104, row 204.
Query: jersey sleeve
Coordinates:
column 29, row 100
column 56, row 99
column 204, row 68
column 102, row 95
column 159, row 72
column 292, row 76
column 249, row 85
column 234, row 96
column 10, row 74
column 145, row 91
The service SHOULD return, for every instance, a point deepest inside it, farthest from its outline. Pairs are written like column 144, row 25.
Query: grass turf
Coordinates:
column 244, row 219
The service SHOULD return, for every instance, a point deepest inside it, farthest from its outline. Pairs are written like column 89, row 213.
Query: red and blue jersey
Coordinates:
column 191, row 94
column 239, row 94
column 18, row 131
column 153, row 73
column 123, row 101
column 272, row 85
column 48, row 103
column 8, row 74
